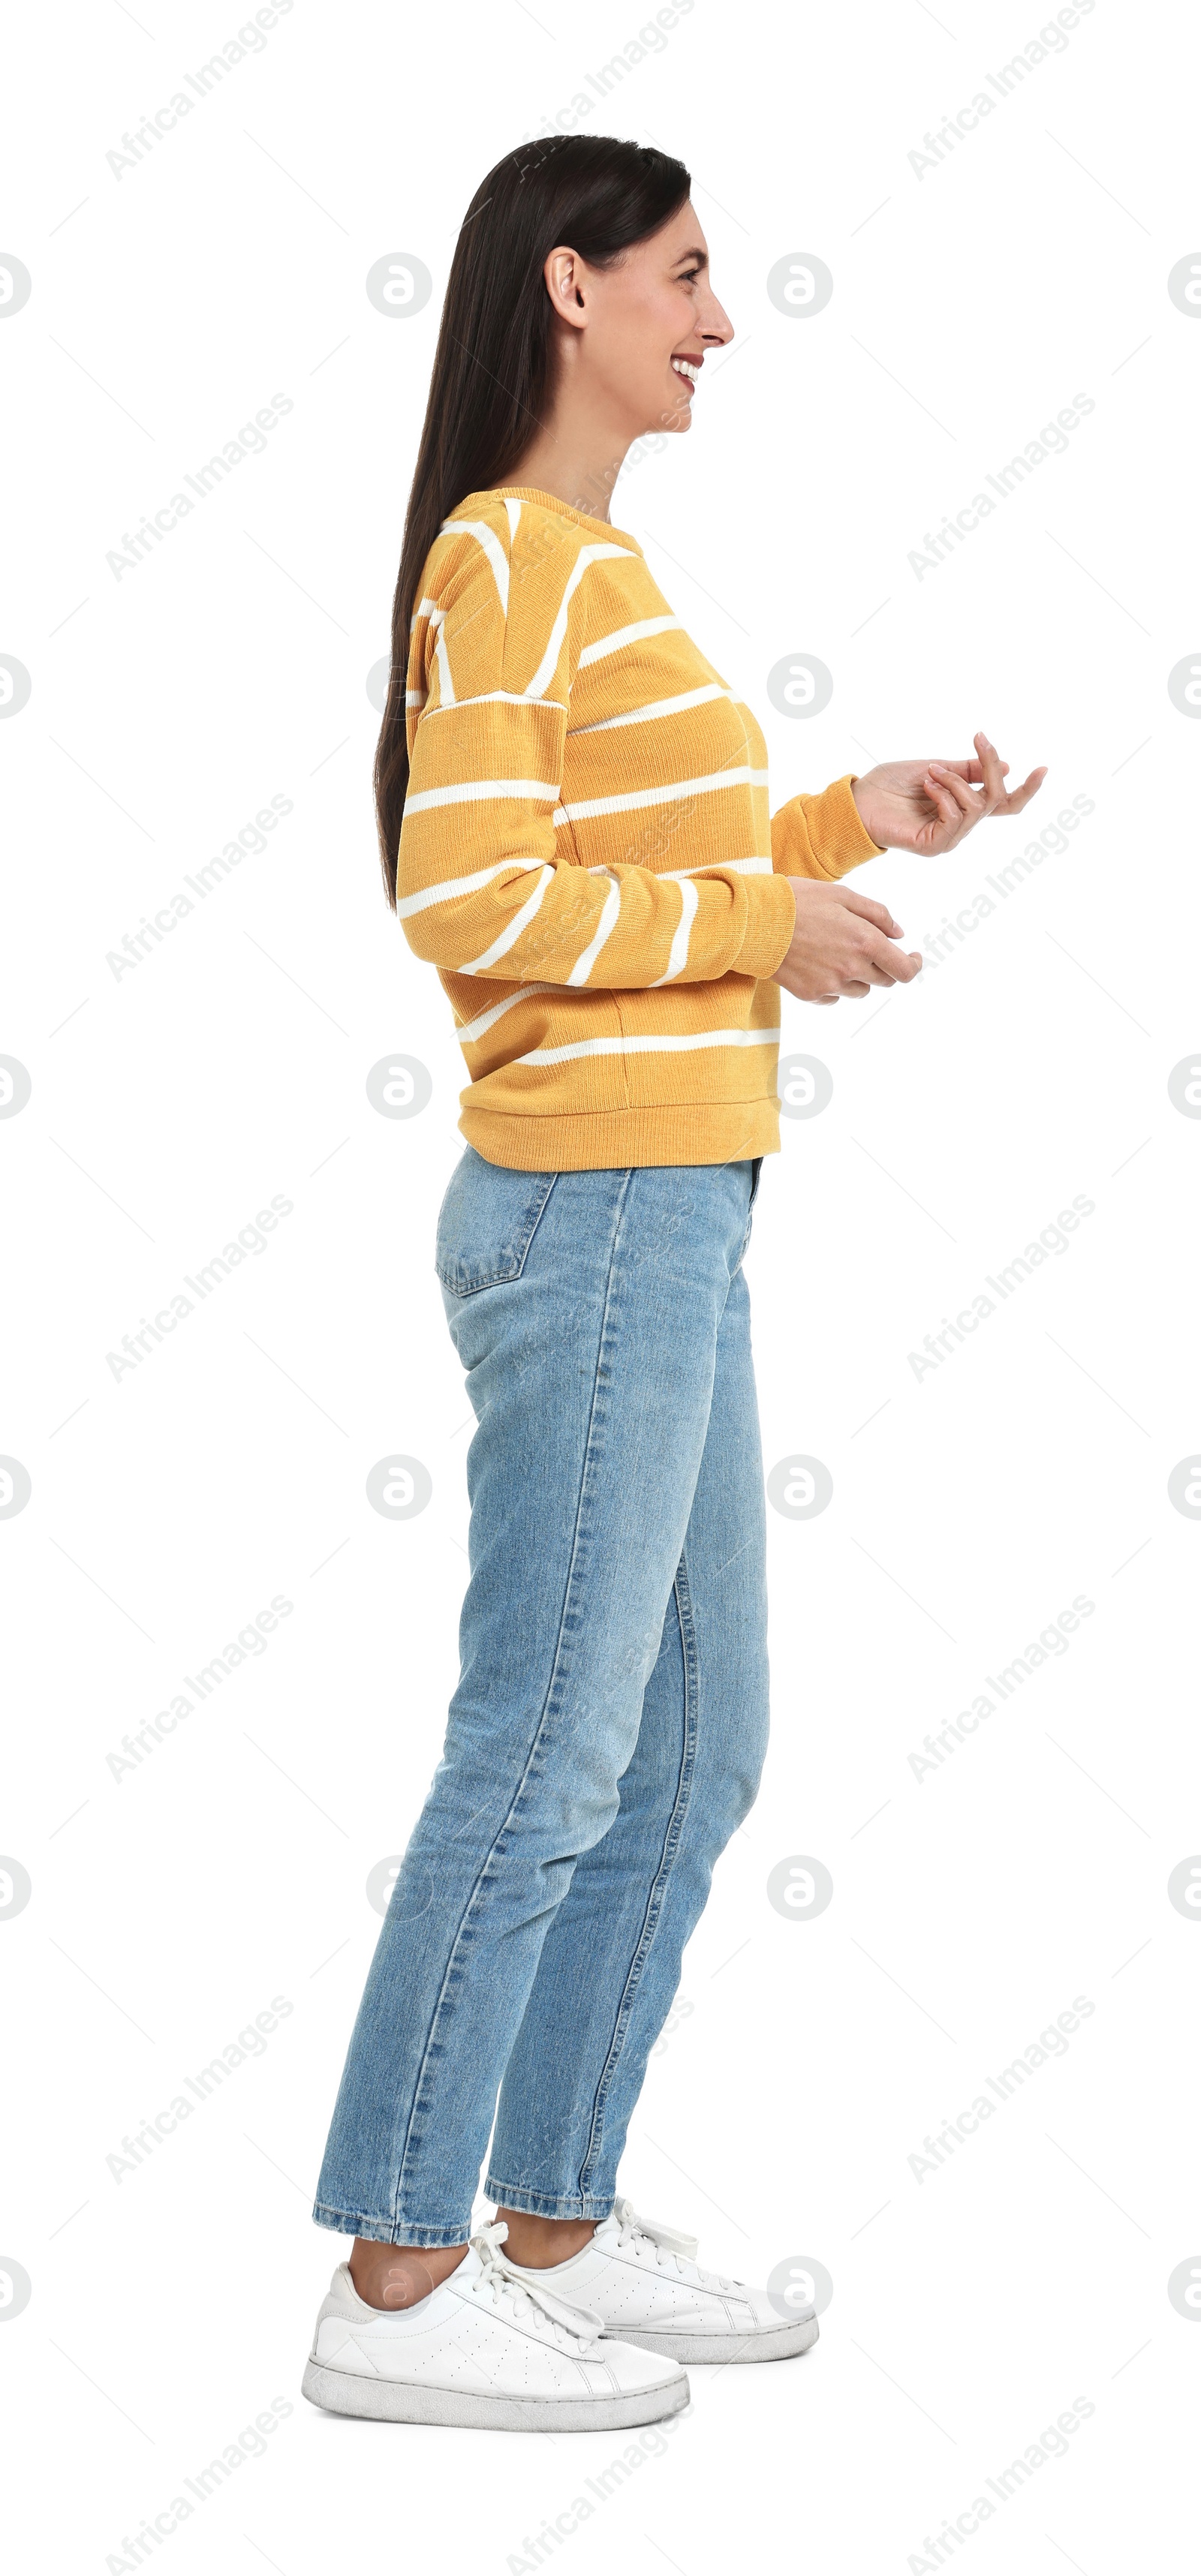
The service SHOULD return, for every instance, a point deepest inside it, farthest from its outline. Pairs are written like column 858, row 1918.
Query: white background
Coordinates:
column 169, row 1104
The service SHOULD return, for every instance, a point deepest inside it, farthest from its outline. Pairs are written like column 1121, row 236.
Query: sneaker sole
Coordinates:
column 766, row 2343
column 400, row 2401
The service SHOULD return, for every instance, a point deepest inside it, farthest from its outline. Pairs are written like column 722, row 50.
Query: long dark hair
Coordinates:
column 490, row 383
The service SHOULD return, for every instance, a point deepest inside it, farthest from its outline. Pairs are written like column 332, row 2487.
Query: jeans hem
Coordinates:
column 545, row 2204
column 387, row 2231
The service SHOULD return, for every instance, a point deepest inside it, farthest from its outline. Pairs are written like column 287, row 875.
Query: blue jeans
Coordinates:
column 609, row 1726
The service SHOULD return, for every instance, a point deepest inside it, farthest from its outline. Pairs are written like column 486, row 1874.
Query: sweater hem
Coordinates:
column 728, row 1131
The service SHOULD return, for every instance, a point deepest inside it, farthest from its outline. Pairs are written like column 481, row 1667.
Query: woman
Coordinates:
column 587, row 859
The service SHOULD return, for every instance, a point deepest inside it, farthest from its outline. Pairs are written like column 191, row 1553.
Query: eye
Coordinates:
column 687, row 275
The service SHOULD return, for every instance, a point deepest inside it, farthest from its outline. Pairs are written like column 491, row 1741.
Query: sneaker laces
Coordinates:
column 571, row 2328
column 665, row 2249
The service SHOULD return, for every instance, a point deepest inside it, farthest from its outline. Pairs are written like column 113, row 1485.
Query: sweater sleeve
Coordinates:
column 487, row 882
column 821, row 836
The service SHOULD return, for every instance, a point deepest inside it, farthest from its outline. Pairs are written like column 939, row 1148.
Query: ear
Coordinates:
column 565, row 272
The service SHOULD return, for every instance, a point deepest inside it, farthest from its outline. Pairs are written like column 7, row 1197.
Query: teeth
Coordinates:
column 684, row 367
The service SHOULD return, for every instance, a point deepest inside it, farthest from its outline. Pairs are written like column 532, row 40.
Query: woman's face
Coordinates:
column 637, row 333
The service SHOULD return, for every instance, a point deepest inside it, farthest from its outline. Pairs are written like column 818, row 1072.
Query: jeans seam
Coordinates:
column 595, row 1418
column 682, row 1595
column 379, row 2230
column 756, row 1175
column 546, row 2204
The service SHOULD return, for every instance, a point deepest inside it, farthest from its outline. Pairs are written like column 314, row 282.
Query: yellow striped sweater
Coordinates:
column 586, row 854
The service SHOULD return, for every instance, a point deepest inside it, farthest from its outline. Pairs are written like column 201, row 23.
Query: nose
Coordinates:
column 716, row 326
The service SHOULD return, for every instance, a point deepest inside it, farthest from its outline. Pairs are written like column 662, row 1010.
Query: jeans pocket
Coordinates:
column 486, row 1223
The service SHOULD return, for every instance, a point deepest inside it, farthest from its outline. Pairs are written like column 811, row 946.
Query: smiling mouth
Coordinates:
column 688, row 368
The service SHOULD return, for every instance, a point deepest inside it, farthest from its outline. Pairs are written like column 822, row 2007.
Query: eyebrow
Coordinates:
column 681, row 256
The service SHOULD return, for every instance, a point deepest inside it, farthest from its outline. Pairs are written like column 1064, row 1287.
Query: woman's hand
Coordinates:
column 928, row 805
column 842, row 945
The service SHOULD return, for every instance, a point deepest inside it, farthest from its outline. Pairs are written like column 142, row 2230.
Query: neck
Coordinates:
column 576, row 462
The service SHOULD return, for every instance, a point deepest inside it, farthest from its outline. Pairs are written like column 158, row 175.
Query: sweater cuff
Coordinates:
column 821, row 836
column 771, row 920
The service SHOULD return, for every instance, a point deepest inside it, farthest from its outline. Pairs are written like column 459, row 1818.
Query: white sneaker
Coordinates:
column 644, row 2280
column 489, row 2347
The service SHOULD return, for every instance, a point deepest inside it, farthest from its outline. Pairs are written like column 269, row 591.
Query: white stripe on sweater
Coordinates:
column 623, row 635
column 437, row 617
column 608, row 922
column 640, row 796
column 657, row 707
column 470, row 790
column 448, row 889
column 470, row 1031
column 508, row 698
column 649, row 1045
column 446, row 686
column 757, row 867
column 512, row 930
column 488, row 539
column 549, row 662
column 678, row 959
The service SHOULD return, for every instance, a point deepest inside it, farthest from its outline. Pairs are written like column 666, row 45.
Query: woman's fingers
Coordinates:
column 885, row 964
column 877, row 913
column 956, row 788
column 964, row 791
column 1019, row 796
column 969, row 769
column 994, row 777
column 957, row 806
column 995, row 771
column 842, row 945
